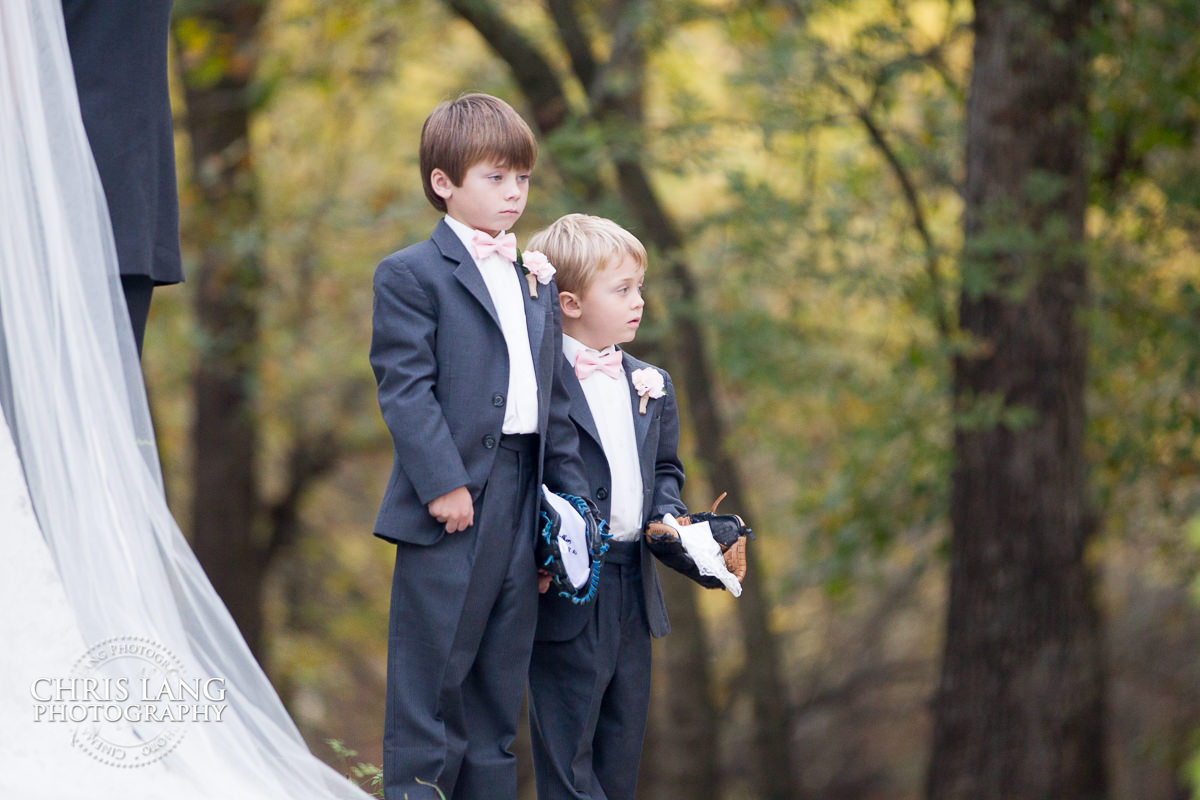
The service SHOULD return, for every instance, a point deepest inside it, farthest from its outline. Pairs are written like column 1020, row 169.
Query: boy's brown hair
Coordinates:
column 580, row 245
column 458, row 134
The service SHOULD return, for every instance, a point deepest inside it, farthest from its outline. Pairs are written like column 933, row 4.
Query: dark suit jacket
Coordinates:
column 657, row 433
column 441, row 364
column 119, row 55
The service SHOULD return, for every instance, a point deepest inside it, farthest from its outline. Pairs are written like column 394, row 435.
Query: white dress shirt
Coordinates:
column 507, row 292
column 612, row 409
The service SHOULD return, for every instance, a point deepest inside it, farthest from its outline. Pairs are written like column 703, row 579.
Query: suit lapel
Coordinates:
column 535, row 313
column 641, row 422
column 580, row 411
column 466, row 272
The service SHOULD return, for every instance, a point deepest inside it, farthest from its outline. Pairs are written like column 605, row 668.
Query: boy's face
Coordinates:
column 491, row 198
column 610, row 310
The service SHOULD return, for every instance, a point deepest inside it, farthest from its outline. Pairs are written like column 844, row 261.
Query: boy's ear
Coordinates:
column 442, row 186
column 569, row 303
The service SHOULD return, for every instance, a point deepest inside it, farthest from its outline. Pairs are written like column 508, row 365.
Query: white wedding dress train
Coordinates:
column 107, row 621
column 40, row 635
column 42, row 640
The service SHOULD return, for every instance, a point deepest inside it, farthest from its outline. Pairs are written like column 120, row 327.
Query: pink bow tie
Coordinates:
column 588, row 362
column 504, row 246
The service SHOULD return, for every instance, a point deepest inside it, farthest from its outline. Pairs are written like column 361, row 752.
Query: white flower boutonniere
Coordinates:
column 537, row 269
column 649, row 384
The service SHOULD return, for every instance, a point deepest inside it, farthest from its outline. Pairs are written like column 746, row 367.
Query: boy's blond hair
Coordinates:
column 580, row 245
column 459, row 134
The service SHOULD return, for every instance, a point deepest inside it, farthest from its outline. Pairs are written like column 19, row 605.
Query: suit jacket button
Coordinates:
column 489, row 441
column 602, row 493
column 497, row 400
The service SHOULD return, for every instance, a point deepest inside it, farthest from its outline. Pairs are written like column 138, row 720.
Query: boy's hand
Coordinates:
column 455, row 509
column 543, row 581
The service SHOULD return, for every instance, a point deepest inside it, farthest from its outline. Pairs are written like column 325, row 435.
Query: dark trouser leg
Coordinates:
column 490, row 661
column 429, row 587
column 138, row 289
column 462, row 620
column 621, row 729
column 566, row 684
column 571, row 689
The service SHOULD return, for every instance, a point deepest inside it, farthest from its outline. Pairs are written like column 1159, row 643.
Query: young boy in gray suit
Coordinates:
column 589, row 678
column 466, row 351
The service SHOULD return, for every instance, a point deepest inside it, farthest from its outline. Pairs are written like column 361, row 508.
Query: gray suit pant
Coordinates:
column 462, row 620
column 589, row 696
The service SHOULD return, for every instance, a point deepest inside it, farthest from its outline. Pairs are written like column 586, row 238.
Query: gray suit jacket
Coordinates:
column 657, row 433
column 441, row 364
column 119, row 54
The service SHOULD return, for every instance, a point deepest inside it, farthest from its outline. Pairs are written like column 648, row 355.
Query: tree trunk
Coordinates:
column 225, row 507
column 1019, row 712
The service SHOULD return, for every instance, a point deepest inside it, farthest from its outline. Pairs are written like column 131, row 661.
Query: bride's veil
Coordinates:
column 71, row 389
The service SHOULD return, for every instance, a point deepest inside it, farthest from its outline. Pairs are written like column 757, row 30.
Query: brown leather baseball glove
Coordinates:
column 730, row 531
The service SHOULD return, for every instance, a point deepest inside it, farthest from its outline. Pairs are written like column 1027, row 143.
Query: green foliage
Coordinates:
column 1145, row 110
column 825, row 309
column 782, row 137
column 368, row 777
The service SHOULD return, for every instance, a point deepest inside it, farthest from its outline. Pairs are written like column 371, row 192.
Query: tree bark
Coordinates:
column 226, row 508
column 1019, row 711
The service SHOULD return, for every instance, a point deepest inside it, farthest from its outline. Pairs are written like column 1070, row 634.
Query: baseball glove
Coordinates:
column 729, row 530
column 550, row 555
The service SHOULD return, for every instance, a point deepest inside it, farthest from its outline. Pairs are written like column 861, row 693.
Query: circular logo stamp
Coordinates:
column 130, row 699
column 128, row 679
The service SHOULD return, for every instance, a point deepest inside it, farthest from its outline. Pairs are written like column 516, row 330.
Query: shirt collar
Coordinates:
column 572, row 346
